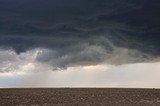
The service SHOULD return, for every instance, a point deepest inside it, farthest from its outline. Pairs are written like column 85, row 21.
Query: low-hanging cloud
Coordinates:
column 67, row 33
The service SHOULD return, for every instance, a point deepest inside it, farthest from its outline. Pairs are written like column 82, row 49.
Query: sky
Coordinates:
column 80, row 43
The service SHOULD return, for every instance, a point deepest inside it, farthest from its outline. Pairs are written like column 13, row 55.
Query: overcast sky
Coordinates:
column 79, row 43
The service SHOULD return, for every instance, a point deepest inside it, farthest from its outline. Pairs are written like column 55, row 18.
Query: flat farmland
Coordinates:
column 79, row 97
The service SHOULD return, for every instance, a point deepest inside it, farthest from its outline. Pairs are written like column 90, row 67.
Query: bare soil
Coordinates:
column 79, row 97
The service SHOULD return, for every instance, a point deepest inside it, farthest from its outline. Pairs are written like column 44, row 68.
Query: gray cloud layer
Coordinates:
column 82, row 32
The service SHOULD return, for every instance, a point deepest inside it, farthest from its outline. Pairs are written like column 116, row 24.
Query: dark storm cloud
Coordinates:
column 82, row 31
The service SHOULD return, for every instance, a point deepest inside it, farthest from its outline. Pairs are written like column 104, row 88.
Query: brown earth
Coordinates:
column 79, row 97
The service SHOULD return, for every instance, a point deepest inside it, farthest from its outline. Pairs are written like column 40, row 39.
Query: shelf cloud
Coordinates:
column 66, row 33
column 79, row 43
